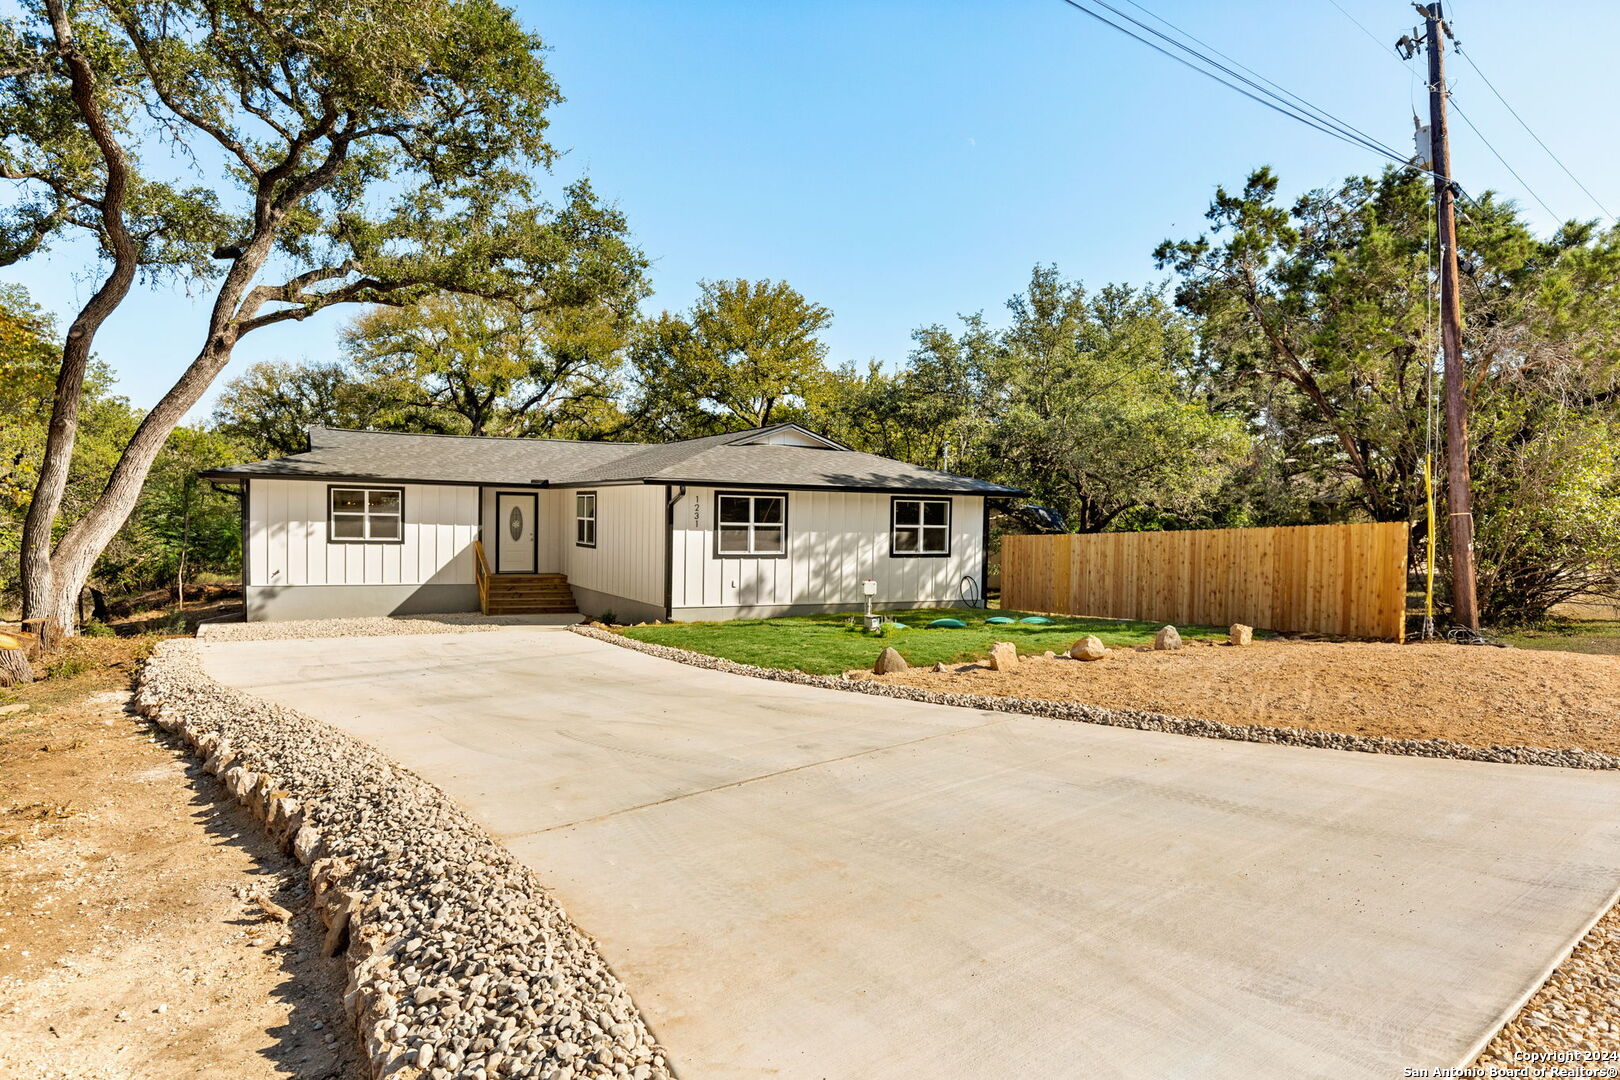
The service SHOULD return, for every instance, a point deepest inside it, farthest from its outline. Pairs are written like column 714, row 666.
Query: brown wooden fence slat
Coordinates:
column 1347, row 580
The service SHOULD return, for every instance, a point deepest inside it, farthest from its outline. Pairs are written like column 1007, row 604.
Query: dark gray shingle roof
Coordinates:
column 716, row 459
column 452, row 459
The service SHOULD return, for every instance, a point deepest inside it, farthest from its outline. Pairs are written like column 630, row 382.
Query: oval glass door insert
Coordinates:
column 516, row 524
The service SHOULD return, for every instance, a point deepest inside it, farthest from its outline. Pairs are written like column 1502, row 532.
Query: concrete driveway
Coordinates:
column 806, row 883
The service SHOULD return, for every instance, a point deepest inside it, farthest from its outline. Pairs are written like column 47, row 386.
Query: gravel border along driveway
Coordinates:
column 1131, row 718
column 460, row 963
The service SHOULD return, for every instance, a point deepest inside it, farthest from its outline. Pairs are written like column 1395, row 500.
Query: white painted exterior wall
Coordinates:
column 836, row 540
column 287, row 543
column 628, row 559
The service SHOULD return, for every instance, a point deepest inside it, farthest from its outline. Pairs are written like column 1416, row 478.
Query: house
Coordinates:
column 772, row 521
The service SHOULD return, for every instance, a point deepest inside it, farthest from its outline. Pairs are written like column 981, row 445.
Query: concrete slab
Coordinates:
column 796, row 882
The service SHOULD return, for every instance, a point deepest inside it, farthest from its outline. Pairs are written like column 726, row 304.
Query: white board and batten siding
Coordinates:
column 288, row 546
column 836, row 540
column 628, row 559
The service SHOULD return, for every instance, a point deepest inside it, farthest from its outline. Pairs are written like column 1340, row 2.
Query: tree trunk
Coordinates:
column 75, row 556
column 185, row 541
column 14, row 667
column 43, row 594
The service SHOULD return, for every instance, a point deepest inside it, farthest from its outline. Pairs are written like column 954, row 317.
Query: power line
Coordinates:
column 1370, row 35
column 1526, row 184
column 1457, row 46
column 1312, row 108
column 1317, row 118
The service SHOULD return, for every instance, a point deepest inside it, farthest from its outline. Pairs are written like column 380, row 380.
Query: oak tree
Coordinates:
column 284, row 157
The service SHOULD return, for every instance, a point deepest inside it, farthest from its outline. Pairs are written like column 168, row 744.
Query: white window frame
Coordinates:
column 585, row 519
column 366, row 516
column 753, row 526
column 924, row 529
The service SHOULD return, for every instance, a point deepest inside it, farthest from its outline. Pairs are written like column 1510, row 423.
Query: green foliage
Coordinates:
column 182, row 524
column 1096, row 417
column 829, row 644
column 269, row 407
column 314, row 106
column 747, row 355
column 1315, row 322
column 28, row 362
column 542, row 363
column 358, row 151
column 68, row 665
column 93, row 628
column 1083, row 400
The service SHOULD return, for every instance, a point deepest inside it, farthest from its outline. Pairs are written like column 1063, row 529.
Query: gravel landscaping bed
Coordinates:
column 460, row 963
column 1131, row 718
column 373, row 626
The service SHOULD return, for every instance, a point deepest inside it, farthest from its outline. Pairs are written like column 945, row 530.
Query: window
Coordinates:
column 920, row 527
column 585, row 518
column 750, row 525
column 357, row 515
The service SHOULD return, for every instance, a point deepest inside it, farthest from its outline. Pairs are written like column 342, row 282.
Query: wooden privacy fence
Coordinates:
column 1348, row 580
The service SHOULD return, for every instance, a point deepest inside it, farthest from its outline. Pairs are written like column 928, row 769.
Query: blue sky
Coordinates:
column 902, row 162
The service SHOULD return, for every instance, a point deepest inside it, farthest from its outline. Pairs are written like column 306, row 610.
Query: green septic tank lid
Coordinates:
column 896, row 625
column 999, row 620
column 949, row 624
column 1038, row 620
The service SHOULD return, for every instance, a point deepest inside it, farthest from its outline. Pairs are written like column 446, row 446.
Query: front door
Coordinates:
column 515, row 514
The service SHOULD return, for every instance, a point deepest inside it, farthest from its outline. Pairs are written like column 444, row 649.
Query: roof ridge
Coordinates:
column 487, row 438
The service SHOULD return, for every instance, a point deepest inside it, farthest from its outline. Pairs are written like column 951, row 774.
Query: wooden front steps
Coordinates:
column 528, row 594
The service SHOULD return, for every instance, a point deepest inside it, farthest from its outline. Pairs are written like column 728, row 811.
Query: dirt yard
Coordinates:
column 131, row 945
column 1478, row 695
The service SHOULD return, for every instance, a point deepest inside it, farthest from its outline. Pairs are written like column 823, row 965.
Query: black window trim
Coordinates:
column 950, row 515
column 594, row 519
column 330, row 539
column 746, row 494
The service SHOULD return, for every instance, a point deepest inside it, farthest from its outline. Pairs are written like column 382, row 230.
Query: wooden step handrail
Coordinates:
column 481, row 575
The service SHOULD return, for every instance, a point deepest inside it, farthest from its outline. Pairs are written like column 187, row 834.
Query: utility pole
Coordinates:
column 1464, row 601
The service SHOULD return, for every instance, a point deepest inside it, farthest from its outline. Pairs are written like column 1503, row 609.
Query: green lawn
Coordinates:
column 1600, row 636
column 829, row 644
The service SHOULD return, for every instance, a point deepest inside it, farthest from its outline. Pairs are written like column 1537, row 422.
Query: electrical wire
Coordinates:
column 1318, row 119
column 1526, row 184
column 1457, row 47
column 1269, row 100
column 1307, row 105
column 1370, row 35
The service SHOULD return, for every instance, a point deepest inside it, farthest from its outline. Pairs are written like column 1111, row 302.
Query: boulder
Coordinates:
column 1088, row 648
column 1168, row 638
column 1003, row 656
column 1240, row 634
column 889, row 661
